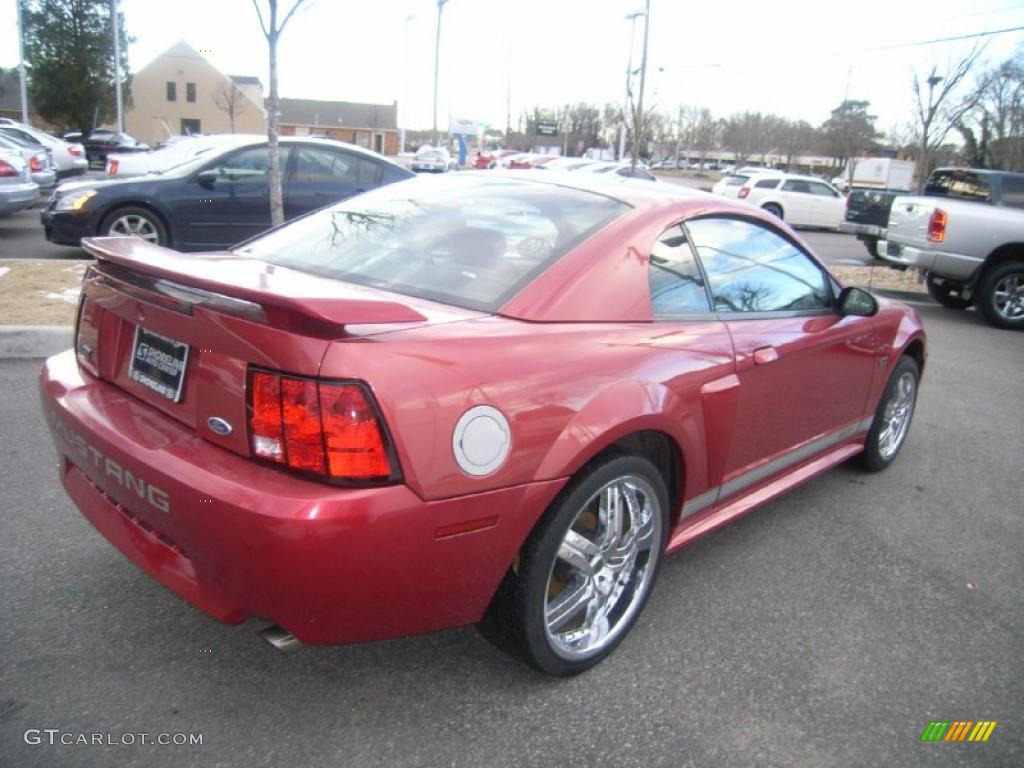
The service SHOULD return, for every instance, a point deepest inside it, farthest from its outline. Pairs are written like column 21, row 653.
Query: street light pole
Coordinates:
column 21, row 66
column 117, row 65
column 638, row 119
column 437, row 62
column 629, row 76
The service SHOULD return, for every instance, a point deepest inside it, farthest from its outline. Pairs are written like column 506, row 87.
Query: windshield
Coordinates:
column 468, row 242
column 965, row 185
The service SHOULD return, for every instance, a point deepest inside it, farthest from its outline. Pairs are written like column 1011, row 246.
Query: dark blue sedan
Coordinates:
column 219, row 198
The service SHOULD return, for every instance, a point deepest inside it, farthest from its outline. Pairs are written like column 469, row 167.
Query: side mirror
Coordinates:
column 207, row 178
column 857, row 302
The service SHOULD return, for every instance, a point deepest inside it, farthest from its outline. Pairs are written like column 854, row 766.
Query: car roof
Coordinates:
column 632, row 191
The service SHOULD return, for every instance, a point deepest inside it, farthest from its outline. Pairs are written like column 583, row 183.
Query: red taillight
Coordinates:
column 75, row 149
column 937, row 226
column 6, row 169
column 744, row 191
column 34, row 165
column 323, row 427
column 112, row 165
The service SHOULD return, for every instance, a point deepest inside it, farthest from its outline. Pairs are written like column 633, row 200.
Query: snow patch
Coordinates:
column 4, row 271
column 70, row 295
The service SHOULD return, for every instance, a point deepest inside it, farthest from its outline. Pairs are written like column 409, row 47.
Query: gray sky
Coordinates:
column 789, row 57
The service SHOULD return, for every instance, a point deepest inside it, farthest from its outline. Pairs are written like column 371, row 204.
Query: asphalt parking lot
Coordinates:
column 825, row 629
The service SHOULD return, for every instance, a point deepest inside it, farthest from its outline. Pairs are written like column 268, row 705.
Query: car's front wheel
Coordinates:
column 892, row 416
column 1000, row 295
column 586, row 571
column 773, row 209
column 133, row 221
column 948, row 293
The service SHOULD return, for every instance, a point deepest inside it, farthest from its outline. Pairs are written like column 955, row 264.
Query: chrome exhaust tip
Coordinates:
column 281, row 639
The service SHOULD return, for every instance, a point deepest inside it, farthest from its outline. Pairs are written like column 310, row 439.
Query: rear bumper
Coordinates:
column 237, row 539
column 865, row 230
column 942, row 263
column 17, row 197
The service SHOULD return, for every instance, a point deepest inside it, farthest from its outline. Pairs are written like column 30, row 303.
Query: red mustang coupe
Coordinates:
column 496, row 400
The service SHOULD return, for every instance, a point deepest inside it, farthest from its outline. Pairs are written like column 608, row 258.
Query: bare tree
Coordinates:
column 272, row 30
column 938, row 111
column 231, row 100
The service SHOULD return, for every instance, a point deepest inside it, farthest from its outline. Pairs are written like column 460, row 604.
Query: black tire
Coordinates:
column 871, row 243
column 517, row 619
column 947, row 292
column 120, row 222
column 1000, row 295
column 877, row 454
column 774, row 210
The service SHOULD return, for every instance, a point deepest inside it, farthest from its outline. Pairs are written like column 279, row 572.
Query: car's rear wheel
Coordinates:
column 586, row 571
column 1000, row 295
column 948, row 293
column 773, row 209
column 871, row 244
column 133, row 221
column 892, row 416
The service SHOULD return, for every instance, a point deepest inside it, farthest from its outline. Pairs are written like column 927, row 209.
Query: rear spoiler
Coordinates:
column 228, row 276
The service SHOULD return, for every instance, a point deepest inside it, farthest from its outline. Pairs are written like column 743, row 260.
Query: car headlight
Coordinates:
column 75, row 201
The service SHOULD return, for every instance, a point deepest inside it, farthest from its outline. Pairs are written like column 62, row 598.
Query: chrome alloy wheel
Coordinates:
column 897, row 415
column 133, row 224
column 1008, row 297
column 604, row 568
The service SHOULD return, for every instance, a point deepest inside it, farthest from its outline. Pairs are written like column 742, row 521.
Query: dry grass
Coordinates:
column 879, row 278
column 39, row 292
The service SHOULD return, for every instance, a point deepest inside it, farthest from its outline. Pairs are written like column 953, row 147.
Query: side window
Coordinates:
column 767, row 184
column 368, row 171
column 1013, row 191
column 823, row 190
column 322, row 165
column 190, row 91
column 796, row 185
column 172, row 91
column 251, row 164
column 677, row 286
column 752, row 269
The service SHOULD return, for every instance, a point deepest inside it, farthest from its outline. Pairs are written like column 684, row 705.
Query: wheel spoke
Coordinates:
column 577, row 550
column 569, row 603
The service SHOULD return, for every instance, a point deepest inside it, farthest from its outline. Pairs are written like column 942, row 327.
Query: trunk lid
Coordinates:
column 151, row 318
column 869, row 206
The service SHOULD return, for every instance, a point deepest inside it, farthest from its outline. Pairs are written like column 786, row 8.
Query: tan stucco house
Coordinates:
column 180, row 92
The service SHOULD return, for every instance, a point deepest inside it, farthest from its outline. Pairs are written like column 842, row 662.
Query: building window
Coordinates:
column 190, row 91
column 172, row 91
column 190, row 127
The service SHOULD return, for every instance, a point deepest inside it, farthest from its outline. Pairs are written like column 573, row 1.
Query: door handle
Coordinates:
column 763, row 355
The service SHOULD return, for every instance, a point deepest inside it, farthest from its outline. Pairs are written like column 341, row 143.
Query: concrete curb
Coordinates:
column 31, row 341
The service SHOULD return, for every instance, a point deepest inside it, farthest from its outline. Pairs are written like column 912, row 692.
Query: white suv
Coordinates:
column 802, row 201
column 729, row 186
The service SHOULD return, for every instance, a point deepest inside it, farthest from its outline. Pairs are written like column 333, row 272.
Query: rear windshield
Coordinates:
column 456, row 239
column 965, row 185
column 735, row 181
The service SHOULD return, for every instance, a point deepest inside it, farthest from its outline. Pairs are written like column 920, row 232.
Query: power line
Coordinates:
column 940, row 40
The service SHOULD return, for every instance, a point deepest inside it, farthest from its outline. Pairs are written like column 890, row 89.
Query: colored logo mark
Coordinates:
column 958, row 730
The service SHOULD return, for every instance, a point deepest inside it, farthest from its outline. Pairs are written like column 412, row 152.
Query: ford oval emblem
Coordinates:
column 218, row 425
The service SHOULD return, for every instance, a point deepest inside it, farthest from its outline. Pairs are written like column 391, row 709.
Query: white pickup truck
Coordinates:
column 966, row 237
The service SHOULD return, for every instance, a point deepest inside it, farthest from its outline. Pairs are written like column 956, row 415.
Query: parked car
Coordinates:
column 965, row 235
column 17, row 190
column 567, row 164
column 493, row 158
column 877, row 181
column 218, row 198
column 620, row 169
column 527, row 161
column 102, row 143
column 803, row 201
column 731, row 184
column 40, row 167
column 68, row 157
column 433, row 160
column 168, row 154
column 452, row 401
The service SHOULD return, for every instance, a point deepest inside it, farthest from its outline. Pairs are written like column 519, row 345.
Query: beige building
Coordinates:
column 180, row 92
column 371, row 126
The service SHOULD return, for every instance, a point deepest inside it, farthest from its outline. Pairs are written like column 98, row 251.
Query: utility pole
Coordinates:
column 405, row 88
column 629, row 76
column 21, row 66
column 508, row 87
column 926, row 125
column 117, row 65
column 437, row 62
column 638, row 119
